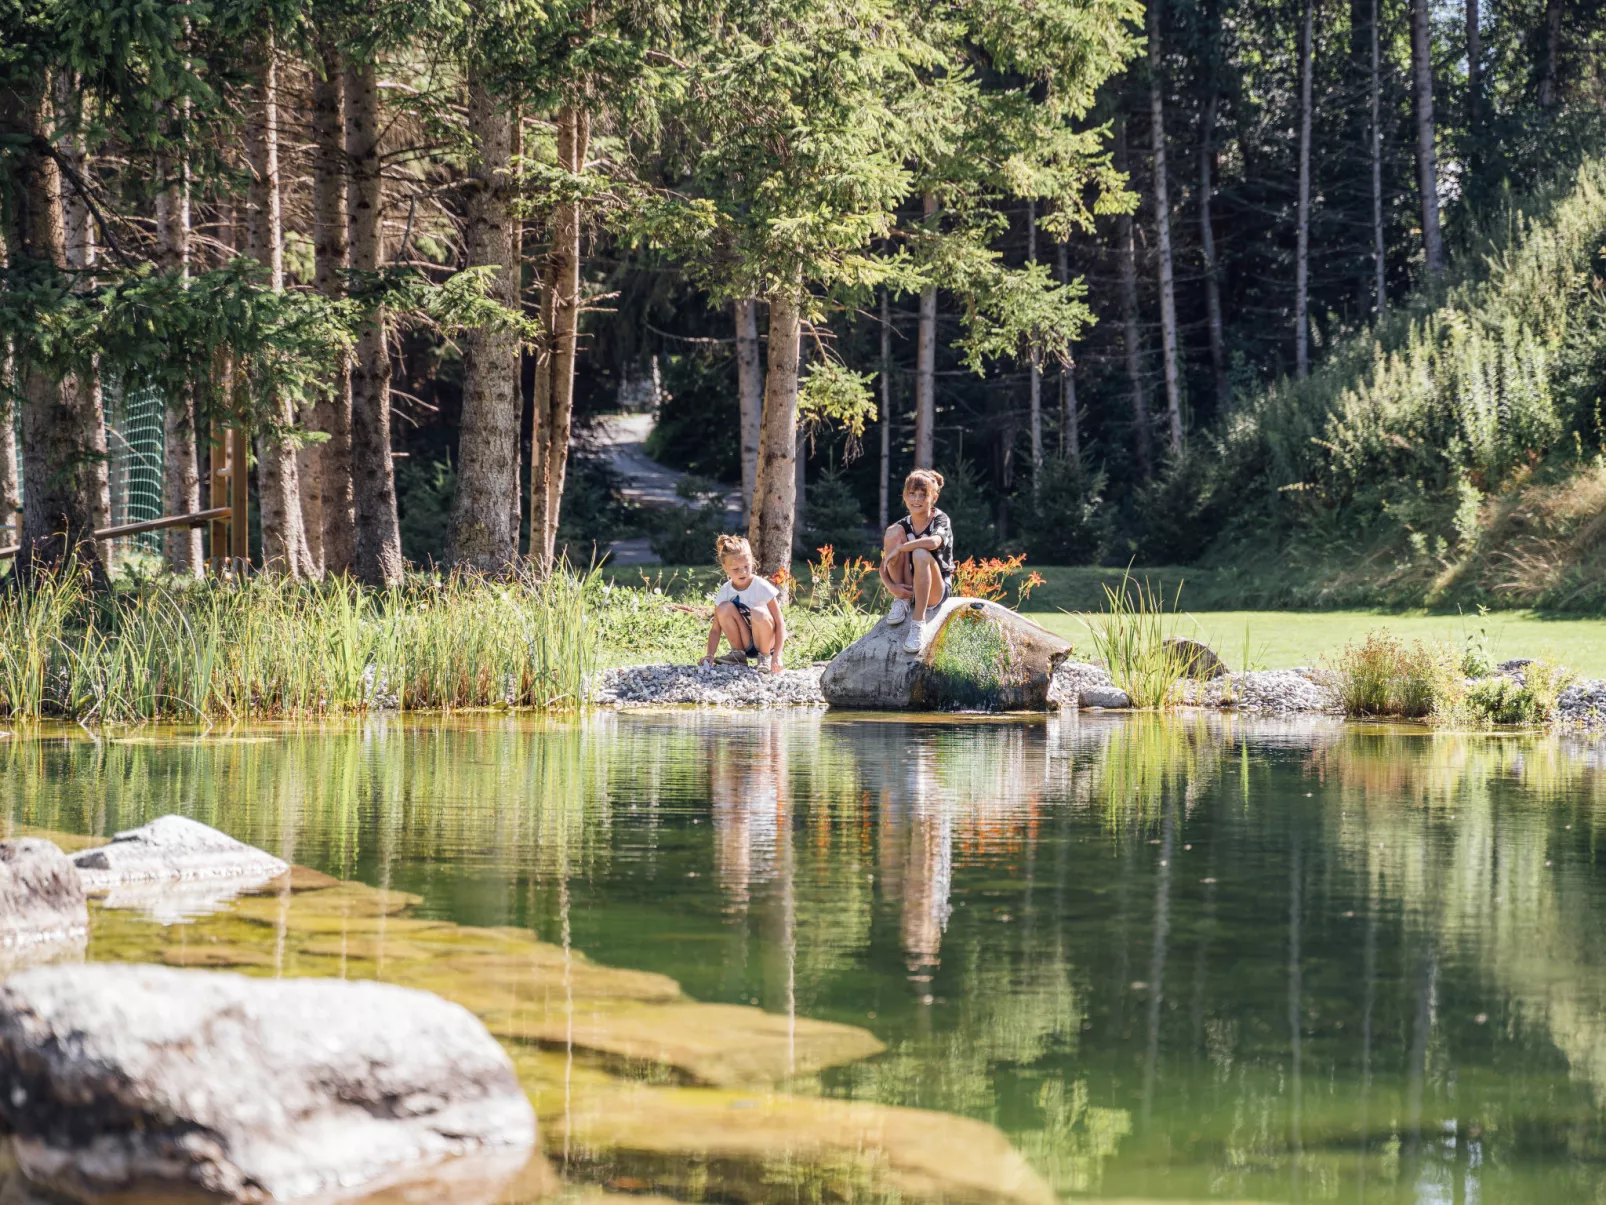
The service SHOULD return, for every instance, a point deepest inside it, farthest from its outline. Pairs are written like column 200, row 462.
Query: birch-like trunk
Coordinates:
column 1427, row 162
column 926, row 366
column 482, row 534
column 885, row 474
column 332, row 256
column 1035, row 390
column 1162, row 226
column 1379, row 246
column 376, row 552
column 284, row 539
column 10, row 480
column 1302, row 219
column 182, row 495
column 1070, row 420
column 79, row 224
column 60, row 427
column 749, row 395
column 775, row 499
column 1131, row 336
column 1207, row 247
column 1550, row 75
column 562, row 303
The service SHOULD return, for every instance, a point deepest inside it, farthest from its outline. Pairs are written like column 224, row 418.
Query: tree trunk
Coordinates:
column 749, row 395
column 79, row 222
column 926, row 367
column 10, row 479
column 885, row 477
column 1550, row 76
column 775, row 498
column 284, row 540
column 1070, row 421
column 1127, row 255
column 331, row 256
column 1427, row 169
column 1035, row 400
column 62, row 465
column 1379, row 245
column 1474, row 71
column 1162, row 223
column 482, row 535
column 376, row 549
column 1302, row 234
column 563, row 304
column 1207, row 245
column 182, row 545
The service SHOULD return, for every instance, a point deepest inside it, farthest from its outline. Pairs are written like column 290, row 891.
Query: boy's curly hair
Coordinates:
column 729, row 546
column 925, row 481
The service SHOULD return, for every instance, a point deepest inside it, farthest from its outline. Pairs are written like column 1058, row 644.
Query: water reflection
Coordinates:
column 1188, row 957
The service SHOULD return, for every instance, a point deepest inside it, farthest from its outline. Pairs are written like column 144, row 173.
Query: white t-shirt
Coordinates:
column 755, row 596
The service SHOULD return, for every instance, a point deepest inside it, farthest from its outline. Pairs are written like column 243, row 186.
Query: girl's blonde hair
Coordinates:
column 924, row 481
column 729, row 546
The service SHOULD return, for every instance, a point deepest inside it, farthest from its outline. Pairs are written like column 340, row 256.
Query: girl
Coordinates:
column 917, row 557
column 746, row 610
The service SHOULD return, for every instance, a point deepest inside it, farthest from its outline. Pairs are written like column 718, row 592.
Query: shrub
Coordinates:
column 833, row 516
column 1380, row 676
column 1504, row 700
column 1070, row 524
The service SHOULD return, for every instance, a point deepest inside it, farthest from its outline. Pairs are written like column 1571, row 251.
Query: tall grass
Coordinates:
column 1130, row 637
column 272, row 648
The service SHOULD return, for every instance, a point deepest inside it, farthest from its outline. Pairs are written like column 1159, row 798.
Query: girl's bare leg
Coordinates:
column 734, row 626
column 898, row 567
column 763, row 633
column 927, row 583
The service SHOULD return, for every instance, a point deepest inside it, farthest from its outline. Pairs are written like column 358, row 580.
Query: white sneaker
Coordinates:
column 899, row 612
column 916, row 639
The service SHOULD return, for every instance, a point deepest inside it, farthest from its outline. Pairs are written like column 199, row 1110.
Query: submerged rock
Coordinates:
column 1103, row 696
column 174, row 849
column 151, row 1081
column 980, row 655
column 41, row 899
column 709, row 1144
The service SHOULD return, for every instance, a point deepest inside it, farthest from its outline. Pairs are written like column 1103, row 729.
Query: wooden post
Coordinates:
column 239, row 500
column 230, row 538
column 217, row 495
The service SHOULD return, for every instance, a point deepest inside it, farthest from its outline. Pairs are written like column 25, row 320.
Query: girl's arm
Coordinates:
column 713, row 641
column 890, row 545
column 780, row 634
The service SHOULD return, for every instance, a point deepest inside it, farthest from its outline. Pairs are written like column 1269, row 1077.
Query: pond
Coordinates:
column 1178, row 958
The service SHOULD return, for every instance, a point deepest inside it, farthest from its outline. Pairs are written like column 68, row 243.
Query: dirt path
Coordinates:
column 623, row 439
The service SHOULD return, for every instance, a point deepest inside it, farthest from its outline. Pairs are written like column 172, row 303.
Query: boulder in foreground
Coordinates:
column 41, row 899
column 161, row 1083
column 172, row 849
column 982, row 656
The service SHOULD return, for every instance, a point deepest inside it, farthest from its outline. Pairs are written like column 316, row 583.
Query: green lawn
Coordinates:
column 1282, row 639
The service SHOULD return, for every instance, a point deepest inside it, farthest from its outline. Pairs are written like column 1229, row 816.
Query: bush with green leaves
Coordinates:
column 1069, row 522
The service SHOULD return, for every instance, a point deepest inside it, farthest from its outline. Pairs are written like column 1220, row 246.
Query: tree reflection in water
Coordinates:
column 1171, row 956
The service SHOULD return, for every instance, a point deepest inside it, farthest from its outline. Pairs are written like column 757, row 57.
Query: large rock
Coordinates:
column 1198, row 661
column 167, row 1084
column 982, row 656
column 173, row 849
column 41, row 899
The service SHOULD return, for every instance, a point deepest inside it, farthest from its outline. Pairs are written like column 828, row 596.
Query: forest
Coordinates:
column 1307, row 290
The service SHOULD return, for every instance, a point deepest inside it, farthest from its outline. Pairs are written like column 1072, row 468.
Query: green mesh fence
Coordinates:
column 135, row 433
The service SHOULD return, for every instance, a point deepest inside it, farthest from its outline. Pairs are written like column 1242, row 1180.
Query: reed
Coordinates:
column 1131, row 638
column 272, row 648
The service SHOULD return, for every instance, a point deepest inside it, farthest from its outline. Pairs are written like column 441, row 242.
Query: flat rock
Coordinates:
column 787, row 1150
column 1103, row 696
column 173, row 849
column 145, row 1080
column 979, row 655
column 41, row 899
column 710, row 1044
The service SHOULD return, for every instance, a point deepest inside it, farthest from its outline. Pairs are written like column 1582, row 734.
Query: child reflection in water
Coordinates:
column 748, row 796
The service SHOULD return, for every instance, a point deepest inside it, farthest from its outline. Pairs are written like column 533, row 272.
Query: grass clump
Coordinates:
column 1508, row 700
column 1383, row 676
column 1130, row 638
column 972, row 659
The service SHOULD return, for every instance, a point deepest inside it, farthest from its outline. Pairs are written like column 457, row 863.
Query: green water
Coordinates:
column 1171, row 958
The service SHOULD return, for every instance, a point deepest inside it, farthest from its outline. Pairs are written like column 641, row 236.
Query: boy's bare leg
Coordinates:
column 734, row 626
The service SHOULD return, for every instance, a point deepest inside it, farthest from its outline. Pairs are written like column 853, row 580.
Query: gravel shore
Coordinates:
column 708, row 686
column 1583, row 705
